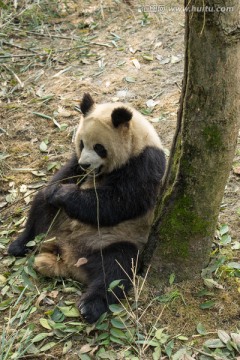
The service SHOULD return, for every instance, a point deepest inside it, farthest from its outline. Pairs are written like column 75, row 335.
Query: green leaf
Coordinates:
column 157, row 353
column 103, row 336
column 118, row 323
column 223, row 336
column 224, row 229
column 234, row 265
column 117, row 333
column 5, row 304
column 236, row 339
column 182, row 338
column 57, row 315
column 69, row 311
column 130, row 79
column 84, row 357
column 31, row 243
column 40, row 337
column 214, row 343
column 171, row 279
column 42, row 115
column 207, row 305
column 110, row 355
column 169, row 348
column 66, row 347
column 116, row 308
column 43, row 147
column 45, row 324
column 116, row 340
column 201, row 329
column 47, row 346
column 225, row 240
column 212, row 283
column 158, row 333
column 114, row 284
column 148, row 57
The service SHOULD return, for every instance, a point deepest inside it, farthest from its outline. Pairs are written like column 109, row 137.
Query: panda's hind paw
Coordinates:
column 91, row 309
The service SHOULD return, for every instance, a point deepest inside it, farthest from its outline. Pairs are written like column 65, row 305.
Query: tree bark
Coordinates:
column 204, row 143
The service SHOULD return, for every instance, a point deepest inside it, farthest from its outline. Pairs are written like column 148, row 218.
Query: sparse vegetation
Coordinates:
column 51, row 52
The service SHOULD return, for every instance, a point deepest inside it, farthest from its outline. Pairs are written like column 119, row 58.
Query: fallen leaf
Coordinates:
column 158, row 44
column 175, row 59
column 151, row 103
column 131, row 49
column 85, row 349
column 63, row 112
column 53, row 294
column 2, row 279
column 23, row 188
column 67, row 346
column 136, row 63
column 40, row 298
column 2, row 204
column 162, row 60
column 130, row 79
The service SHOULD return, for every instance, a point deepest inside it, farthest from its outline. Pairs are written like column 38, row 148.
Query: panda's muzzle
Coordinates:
column 87, row 168
column 84, row 166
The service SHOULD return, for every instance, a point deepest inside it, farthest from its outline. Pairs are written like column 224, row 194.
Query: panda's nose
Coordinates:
column 84, row 166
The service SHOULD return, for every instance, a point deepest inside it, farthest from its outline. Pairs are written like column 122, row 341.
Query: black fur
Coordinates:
column 102, row 268
column 126, row 193
column 120, row 116
column 42, row 213
column 86, row 103
column 100, row 150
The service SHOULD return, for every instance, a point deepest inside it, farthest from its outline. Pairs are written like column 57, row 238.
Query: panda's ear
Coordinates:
column 121, row 116
column 86, row 103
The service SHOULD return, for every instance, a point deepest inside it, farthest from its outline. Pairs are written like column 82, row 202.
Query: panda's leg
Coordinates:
column 42, row 213
column 102, row 268
column 40, row 218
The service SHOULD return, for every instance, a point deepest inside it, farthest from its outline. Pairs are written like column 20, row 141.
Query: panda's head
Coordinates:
column 110, row 134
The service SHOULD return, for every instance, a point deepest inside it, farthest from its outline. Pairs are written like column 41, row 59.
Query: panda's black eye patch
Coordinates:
column 100, row 150
column 81, row 145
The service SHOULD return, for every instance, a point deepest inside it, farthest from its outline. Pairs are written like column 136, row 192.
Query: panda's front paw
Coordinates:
column 92, row 308
column 58, row 194
column 17, row 249
column 50, row 192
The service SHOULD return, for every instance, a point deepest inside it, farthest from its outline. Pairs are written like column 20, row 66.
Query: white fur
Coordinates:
column 89, row 156
column 121, row 143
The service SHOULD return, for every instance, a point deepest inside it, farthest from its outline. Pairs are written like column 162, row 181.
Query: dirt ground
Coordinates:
column 116, row 53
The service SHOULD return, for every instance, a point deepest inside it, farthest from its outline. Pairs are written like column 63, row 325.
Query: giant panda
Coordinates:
column 97, row 209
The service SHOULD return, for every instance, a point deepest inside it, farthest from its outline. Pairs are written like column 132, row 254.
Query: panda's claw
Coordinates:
column 92, row 309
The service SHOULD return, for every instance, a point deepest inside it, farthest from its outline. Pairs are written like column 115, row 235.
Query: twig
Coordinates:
column 18, row 46
column 21, row 55
column 99, row 44
column 216, row 357
column 38, row 355
column 15, row 75
column 54, row 36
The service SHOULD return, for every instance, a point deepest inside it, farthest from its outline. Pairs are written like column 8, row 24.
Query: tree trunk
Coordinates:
column 204, row 144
